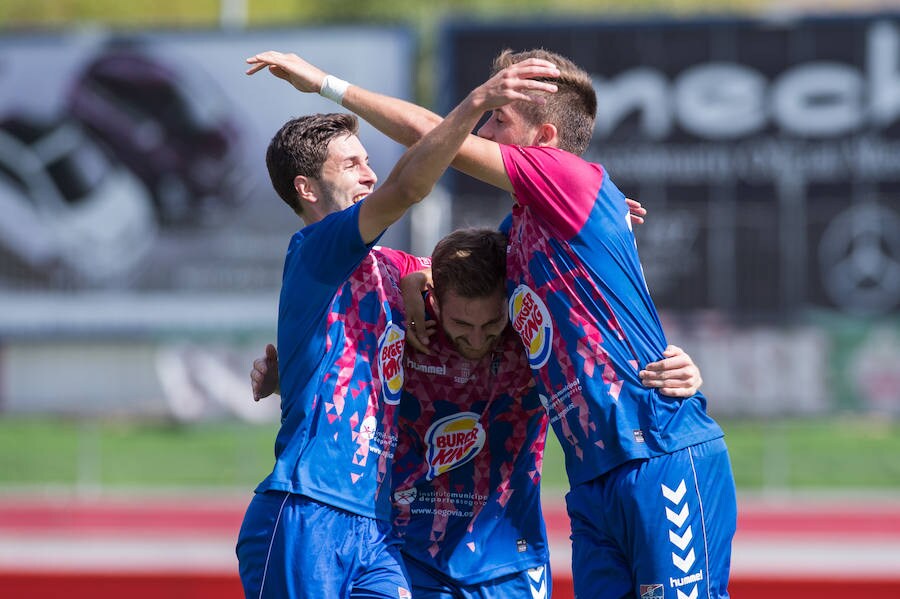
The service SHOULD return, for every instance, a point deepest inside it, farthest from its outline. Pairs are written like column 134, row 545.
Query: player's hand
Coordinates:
column 418, row 329
column 676, row 375
column 516, row 82
column 264, row 376
column 635, row 211
column 290, row 67
column 418, row 335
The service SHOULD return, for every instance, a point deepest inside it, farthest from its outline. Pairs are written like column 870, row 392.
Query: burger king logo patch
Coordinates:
column 452, row 441
column 390, row 363
column 531, row 320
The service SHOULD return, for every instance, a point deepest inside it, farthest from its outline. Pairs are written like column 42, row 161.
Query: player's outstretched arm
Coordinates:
column 676, row 375
column 420, row 167
column 402, row 121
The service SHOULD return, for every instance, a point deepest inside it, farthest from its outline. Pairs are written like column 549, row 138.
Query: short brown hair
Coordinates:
column 300, row 148
column 470, row 262
column 573, row 108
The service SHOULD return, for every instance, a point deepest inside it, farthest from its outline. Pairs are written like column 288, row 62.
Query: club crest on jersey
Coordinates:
column 452, row 441
column 405, row 496
column 368, row 428
column 531, row 320
column 390, row 362
column 651, row 591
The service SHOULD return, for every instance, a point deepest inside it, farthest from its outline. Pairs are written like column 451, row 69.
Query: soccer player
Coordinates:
column 471, row 436
column 318, row 524
column 652, row 499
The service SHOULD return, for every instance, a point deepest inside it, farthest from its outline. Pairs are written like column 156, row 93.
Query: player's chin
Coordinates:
column 473, row 354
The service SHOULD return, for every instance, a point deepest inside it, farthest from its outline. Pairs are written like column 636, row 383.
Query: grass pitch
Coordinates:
column 785, row 455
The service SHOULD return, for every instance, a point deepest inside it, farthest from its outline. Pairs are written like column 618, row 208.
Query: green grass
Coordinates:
column 129, row 454
column 789, row 455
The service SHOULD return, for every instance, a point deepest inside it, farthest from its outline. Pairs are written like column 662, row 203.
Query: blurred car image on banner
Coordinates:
column 169, row 123
column 71, row 213
column 135, row 161
column 140, row 236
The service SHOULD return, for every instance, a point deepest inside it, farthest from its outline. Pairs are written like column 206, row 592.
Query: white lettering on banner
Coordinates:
column 723, row 100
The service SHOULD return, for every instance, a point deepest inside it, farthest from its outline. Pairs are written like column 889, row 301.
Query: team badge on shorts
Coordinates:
column 651, row 591
column 403, row 593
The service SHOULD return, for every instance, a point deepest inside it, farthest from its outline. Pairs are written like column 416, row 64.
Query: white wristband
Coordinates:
column 334, row 89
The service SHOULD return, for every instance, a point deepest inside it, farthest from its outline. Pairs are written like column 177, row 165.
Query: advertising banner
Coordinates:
column 768, row 152
column 135, row 161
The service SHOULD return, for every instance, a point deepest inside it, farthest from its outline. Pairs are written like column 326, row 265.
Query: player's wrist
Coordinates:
column 334, row 89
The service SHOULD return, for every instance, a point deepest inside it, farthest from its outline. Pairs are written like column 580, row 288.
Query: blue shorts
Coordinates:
column 428, row 584
column 659, row 528
column 293, row 547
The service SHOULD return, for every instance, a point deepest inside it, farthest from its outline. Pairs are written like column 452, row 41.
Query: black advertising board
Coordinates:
column 767, row 152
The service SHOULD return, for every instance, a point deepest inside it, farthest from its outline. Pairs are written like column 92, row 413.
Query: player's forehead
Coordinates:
column 476, row 311
column 345, row 147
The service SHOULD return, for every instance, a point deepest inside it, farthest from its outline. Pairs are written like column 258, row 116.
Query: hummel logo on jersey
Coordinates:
column 681, row 539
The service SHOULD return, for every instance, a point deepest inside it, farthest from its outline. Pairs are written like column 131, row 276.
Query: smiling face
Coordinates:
column 318, row 165
column 346, row 177
column 474, row 325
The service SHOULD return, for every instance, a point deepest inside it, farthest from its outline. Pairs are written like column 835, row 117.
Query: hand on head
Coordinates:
column 518, row 82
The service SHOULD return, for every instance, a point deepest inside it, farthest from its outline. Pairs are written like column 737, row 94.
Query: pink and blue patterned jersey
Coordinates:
column 340, row 349
column 468, row 466
column 580, row 304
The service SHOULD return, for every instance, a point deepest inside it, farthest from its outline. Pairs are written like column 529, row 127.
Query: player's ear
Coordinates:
column 547, row 135
column 305, row 189
column 435, row 304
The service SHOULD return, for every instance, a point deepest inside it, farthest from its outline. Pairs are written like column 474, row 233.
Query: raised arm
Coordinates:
column 402, row 121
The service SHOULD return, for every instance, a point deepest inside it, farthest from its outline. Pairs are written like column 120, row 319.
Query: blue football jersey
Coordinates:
column 340, row 348
column 580, row 304
column 468, row 467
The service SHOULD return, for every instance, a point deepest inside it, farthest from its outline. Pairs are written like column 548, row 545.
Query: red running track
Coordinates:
column 183, row 547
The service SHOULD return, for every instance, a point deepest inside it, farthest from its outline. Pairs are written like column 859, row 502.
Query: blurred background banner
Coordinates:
column 136, row 161
column 141, row 243
column 141, row 250
column 140, row 231
column 768, row 153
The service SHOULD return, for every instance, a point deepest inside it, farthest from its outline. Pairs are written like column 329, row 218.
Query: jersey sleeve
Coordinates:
column 332, row 248
column 558, row 186
column 405, row 263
